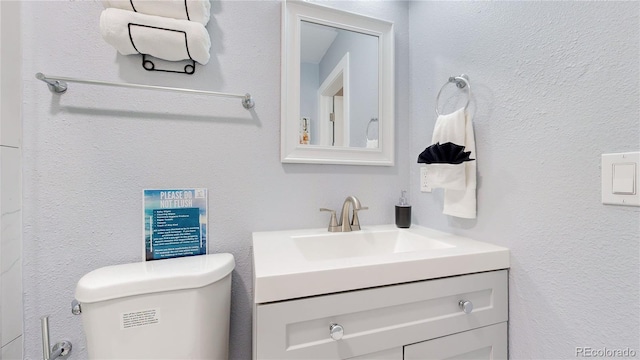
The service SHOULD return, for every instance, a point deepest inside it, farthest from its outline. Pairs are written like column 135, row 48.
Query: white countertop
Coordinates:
column 282, row 271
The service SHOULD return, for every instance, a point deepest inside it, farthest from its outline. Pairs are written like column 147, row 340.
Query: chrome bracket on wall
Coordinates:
column 460, row 83
column 60, row 350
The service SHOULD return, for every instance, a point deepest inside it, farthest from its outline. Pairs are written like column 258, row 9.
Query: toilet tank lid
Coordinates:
column 118, row 281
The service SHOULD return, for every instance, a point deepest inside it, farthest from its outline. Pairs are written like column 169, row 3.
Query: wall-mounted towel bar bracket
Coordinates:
column 55, row 86
column 459, row 82
column 58, row 85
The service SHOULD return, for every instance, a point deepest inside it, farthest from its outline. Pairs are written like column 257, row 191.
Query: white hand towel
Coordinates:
column 193, row 10
column 459, row 181
column 448, row 128
column 164, row 38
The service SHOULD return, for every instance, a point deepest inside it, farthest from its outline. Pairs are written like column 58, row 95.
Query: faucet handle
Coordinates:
column 355, row 222
column 333, row 223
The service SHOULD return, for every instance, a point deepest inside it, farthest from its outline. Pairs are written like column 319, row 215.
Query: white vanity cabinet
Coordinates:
column 485, row 343
column 417, row 320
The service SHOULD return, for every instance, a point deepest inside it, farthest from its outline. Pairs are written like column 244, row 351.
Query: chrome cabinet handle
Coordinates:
column 336, row 331
column 466, row 306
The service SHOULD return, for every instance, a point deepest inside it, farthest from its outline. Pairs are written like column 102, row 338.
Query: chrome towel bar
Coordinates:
column 58, row 85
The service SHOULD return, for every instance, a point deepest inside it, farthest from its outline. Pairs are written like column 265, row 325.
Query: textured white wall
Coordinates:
column 89, row 153
column 555, row 85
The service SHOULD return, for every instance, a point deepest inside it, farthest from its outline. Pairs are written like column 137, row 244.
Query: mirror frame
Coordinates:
column 293, row 13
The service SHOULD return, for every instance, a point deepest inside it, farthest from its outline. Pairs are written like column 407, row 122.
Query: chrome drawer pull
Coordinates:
column 336, row 331
column 466, row 306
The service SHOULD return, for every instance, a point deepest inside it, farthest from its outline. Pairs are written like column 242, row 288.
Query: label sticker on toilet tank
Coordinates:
column 139, row 318
column 175, row 223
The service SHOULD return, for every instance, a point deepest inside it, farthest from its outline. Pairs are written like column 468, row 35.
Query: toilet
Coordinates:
column 164, row 309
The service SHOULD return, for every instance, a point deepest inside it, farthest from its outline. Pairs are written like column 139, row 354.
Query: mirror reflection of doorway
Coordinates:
column 326, row 53
column 333, row 112
column 338, row 120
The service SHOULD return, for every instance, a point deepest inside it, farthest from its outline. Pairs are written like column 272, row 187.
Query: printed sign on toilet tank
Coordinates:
column 175, row 223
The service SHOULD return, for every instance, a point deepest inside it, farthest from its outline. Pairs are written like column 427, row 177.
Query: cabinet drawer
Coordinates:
column 486, row 343
column 379, row 318
column 390, row 354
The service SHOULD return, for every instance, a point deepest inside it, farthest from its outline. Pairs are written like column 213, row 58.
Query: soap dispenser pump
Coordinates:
column 403, row 211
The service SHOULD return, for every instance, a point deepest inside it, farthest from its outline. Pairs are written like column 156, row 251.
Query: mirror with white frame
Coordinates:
column 337, row 87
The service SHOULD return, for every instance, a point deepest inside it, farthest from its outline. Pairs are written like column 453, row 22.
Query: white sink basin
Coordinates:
column 363, row 243
column 297, row 263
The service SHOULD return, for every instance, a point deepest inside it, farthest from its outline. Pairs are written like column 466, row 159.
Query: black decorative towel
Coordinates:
column 447, row 153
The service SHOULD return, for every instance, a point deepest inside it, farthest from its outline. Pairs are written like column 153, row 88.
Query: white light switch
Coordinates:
column 620, row 174
column 624, row 178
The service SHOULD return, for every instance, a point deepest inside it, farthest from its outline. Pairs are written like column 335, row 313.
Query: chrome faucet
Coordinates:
column 346, row 224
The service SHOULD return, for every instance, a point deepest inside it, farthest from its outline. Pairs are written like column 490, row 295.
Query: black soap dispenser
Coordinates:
column 403, row 212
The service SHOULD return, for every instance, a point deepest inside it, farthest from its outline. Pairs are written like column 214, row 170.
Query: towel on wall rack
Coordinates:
column 192, row 10
column 169, row 39
column 457, row 180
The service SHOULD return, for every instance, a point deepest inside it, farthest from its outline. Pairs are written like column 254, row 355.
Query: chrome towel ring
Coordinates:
column 461, row 82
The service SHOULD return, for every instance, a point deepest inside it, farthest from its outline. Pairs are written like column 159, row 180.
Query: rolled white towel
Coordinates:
column 193, row 10
column 133, row 33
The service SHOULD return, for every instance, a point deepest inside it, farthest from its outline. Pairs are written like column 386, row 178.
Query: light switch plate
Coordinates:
column 620, row 176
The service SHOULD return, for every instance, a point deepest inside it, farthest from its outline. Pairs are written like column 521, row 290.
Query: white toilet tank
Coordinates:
column 163, row 309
